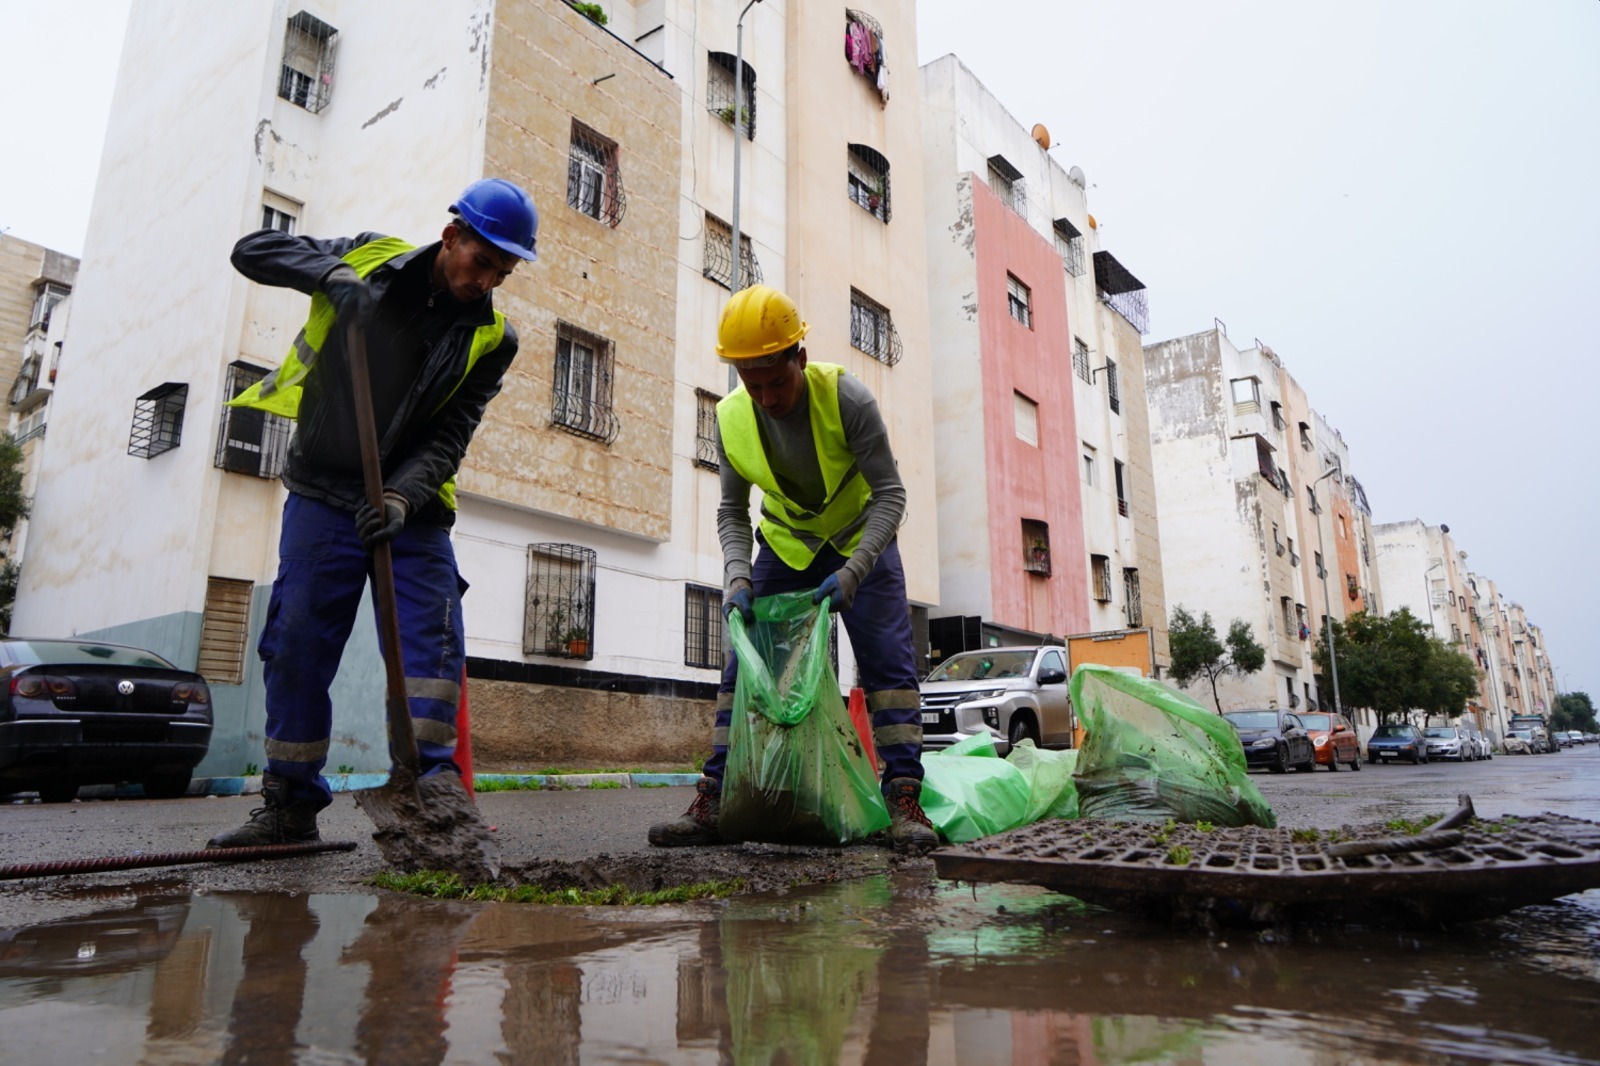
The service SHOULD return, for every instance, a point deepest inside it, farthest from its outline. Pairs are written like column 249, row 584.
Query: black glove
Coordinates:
column 839, row 589
column 377, row 527
column 741, row 598
column 350, row 295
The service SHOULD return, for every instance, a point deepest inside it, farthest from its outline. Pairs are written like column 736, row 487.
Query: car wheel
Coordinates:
column 1280, row 762
column 1355, row 763
column 166, row 786
column 1022, row 728
column 59, row 792
column 1333, row 762
column 1417, row 758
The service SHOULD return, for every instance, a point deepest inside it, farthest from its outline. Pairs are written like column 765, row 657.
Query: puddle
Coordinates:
column 894, row 968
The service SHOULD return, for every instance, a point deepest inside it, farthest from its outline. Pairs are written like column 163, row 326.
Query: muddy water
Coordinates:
column 892, row 969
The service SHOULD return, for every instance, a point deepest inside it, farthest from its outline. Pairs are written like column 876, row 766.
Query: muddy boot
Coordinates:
column 909, row 829
column 698, row 826
column 279, row 822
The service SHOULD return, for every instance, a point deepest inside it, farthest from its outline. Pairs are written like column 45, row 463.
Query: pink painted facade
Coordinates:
column 1037, row 483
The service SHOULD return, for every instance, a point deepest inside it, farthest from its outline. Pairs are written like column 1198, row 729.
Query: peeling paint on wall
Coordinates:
column 391, row 109
column 433, row 82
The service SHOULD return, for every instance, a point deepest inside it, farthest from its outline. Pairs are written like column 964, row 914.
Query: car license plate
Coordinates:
column 930, row 717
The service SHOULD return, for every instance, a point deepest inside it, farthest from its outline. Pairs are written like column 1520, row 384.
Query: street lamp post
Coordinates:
column 1327, row 602
column 739, row 111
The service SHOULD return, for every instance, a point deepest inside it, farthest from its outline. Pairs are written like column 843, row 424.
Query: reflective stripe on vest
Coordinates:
column 793, row 532
column 279, row 392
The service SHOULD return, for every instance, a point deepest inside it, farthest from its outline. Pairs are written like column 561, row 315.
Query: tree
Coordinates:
column 1196, row 651
column 13, row 509
column 1392, row 665
column 1574, row 710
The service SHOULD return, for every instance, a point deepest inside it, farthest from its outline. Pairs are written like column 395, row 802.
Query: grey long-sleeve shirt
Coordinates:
column 793, row 456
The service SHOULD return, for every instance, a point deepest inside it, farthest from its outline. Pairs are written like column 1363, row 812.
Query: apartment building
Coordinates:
column 1047, row 511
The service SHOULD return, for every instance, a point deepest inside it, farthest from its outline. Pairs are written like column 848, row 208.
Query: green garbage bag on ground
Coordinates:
column 1153, row 753
column 968, row 791
column 797, row 772
column 1051, row 792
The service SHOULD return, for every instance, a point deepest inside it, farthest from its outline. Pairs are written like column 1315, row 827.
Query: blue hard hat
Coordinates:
column 503, row 213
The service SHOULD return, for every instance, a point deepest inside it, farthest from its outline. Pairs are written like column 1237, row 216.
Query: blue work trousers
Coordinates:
column 879, row 624
column 322, row 572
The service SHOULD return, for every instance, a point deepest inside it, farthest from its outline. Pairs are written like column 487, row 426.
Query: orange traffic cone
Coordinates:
column 863, row 724
column 464, row 738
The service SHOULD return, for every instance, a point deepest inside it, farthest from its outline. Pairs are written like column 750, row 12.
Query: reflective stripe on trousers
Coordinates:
column 879, row 624
column 322, row 573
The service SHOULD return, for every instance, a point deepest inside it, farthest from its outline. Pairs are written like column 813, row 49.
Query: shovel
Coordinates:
column 423, row 823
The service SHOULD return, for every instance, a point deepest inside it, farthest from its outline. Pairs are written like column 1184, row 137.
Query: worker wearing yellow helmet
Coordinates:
column 810, row 437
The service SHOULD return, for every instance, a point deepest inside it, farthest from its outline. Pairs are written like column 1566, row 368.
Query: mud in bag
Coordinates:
column 796, row 772
column 1152, row 753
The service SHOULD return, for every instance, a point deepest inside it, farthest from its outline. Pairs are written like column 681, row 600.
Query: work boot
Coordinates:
column 280, row 821
column 909, row 829
column 698, row 826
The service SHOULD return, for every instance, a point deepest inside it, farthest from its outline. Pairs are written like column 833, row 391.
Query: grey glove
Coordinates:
column 350, row 295
column 741, row 598
column 377, row 527
column 839, row 589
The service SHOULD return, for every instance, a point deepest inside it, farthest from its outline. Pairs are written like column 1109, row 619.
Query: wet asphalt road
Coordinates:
column 581, row 824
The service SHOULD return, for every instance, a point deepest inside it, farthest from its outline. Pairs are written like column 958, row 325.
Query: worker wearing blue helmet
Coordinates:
column 438, row 350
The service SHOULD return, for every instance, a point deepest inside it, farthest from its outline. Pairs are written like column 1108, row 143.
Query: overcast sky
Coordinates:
column 1401, row 198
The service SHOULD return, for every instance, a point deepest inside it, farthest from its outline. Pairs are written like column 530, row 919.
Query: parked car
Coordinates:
column 1333, row 737
column 1013, row 693
column 1518, row 742
column 1449, row 742
column 1561, row 738
column 76, row 712
column 1397, row 741
column 1480, row 741
column 1275, row 739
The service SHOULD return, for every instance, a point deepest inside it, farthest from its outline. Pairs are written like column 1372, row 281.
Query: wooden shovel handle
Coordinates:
column 402, row 738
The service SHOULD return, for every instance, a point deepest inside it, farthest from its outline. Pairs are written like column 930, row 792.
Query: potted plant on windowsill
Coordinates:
column 874, row 196
column 577, row 639
column 726, row 114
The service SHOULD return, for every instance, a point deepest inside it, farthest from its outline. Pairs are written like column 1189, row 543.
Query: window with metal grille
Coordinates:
column 1121, row 291
column 306, row 78
column 581, row 397
column 702, row 627
column 1019, row 300
column 1122, row 494
column 1133, row 608
column 720, row 90
column 872, row 329
column 1006, row 182
column 250, row 441
column 1100, row 572
column 718, row 261
column 1080, row 359
column 224, row 630
column 1036, row 547
column 863, row 48
column 594, row 182
column 867, row 180
column 559, row 615
column 1069, row 243
column 1264, row 463
column 705, row 429
column 44, row 302
column 1113, row 389
column 158, row 420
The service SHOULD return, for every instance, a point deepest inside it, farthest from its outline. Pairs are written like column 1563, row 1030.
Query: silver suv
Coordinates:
column 1011, row 693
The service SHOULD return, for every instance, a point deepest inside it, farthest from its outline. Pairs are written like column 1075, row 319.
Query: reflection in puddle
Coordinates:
column 883, row 970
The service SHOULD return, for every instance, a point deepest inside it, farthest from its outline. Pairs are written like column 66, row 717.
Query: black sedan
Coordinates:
column 76, row 712
column 1274, row 739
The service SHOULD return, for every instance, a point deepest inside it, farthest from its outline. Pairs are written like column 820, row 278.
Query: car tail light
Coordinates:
column 60, row 687
column 191, row 692
column 38, row 687
column 28, row 687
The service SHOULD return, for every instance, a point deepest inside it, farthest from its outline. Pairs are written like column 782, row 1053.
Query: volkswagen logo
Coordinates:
column 125, row 687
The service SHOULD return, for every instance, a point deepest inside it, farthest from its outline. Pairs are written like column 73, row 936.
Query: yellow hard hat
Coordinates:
column 758, row 324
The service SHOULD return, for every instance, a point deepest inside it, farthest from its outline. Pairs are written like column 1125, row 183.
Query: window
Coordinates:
column 1035, row 547
column 1322, row 571
column 559, row 612
column 864, row 50
column 1133, row 609
column 581, row 396
column 1089, row 474
column 279, row 212
column 867, row 180
column 1121, row 291
column 1113, row 390
column 1311, row 498
column 1277, row 415
column 224, row 631
column 1302, row 630
column 1080, row 359
column 1305, row 436
column 1246, row 394
column 1006, row 181
column 720, row 91
column 250, row 441
column 158, row 420
column 705, row 429
column 1288, row 614
column 1019, row 299
column 872, row 330
column 1100, row 571
column 1264, row 463
column 44, row 303
column 718, row 263
column 1122, row 495
column 1294, row 560
column 1277, row 543
column 702, row 627
column 594, row 184
column 1025, row 416
column 1069, row 242
column 306, row 77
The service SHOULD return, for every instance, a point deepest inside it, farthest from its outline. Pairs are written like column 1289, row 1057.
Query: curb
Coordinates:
column 251, row 786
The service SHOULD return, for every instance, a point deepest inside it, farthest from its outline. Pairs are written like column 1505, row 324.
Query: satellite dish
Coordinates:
column 1041, row 135
column 1075, row 175
column 1092, row 223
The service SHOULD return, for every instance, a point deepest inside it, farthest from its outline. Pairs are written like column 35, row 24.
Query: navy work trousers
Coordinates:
column 879, row 624
column 322, row 572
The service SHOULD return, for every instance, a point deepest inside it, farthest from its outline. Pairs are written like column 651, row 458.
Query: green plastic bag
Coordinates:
column 797, row 772
column 968, row 791
column 1153, row 753
column 1051, row 793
